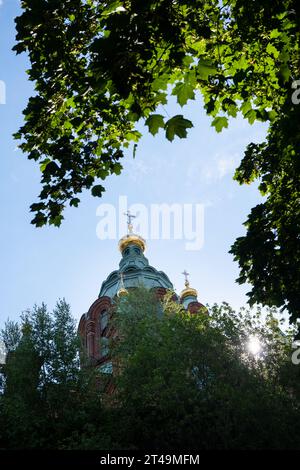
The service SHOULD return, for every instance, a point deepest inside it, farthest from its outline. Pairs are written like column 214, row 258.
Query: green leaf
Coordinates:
column 160, row 98
column 97, row 190
column 38, row 206
column 133, row 135
column 56, row 221
column 184, row 92
column 44, row 164
column 70, row 102
column 101, row 173
column 160, row 83
column 272, row 115
column 39, row 220
column 188, row 60
column 177, row 125
column 245, row 107
column 199, row 46
column 117, row 168
column 251, row 116
column 68, row 125
column 205, row 68
column 74, row 202
column 154, row 123
column 272, row 50
column 275, row 34
column 242, row 63
column 219, row 123
column 285, row 72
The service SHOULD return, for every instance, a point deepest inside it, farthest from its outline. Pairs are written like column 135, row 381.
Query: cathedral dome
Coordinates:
column 189, row 295
column 134, row 269
column 188, row 292
column 132, row 238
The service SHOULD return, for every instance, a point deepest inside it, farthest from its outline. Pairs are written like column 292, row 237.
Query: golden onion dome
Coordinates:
column 122, row 292
column 132, row 238
column 188, row 291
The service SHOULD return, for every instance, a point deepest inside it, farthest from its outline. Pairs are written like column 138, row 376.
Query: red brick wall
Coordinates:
column 89, row 326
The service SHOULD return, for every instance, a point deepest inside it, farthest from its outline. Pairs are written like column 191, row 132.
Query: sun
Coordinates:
column 254, row 345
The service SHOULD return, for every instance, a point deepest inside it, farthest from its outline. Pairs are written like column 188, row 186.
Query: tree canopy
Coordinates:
column 102, row 67
column 188, row 381
column 180, row 381
column 45, row 398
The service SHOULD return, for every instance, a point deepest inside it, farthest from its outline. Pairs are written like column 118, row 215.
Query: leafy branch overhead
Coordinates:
column 177, row 125
column 100, row 68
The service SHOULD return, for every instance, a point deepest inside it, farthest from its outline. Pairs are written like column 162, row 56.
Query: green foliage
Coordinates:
column 102, row 67
column 11, row 335
column 188, row 381
column 155, row 122
column 184, row 92
column 182, row 381
column 46, row 398
column 219, row 123
column 269, row 253
column 177, row 125
column 99, row 69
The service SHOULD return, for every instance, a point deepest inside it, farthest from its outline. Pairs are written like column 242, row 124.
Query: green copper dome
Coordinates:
column 136, row 271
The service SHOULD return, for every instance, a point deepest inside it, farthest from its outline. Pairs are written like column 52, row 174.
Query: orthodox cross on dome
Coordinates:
column 122, row 280
column 129, row 217
column 186, row 274
column 122, row 289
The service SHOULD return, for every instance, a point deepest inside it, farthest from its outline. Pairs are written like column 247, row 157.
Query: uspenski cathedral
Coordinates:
column 134, row 271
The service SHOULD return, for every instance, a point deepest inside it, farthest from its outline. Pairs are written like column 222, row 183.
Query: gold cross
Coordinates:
column 129, row 217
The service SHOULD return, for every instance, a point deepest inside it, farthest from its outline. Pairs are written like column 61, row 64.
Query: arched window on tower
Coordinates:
column 103, row 322
column 90, row 344
column 104, row 349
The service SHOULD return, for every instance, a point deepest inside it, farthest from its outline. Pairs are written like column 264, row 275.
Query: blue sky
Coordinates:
column 45, row 264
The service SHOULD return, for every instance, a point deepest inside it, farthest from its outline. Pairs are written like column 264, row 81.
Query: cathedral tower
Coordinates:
column 134, row 271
